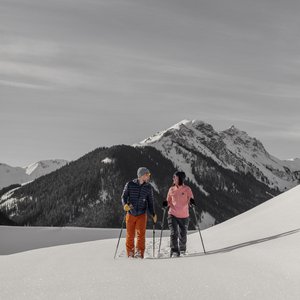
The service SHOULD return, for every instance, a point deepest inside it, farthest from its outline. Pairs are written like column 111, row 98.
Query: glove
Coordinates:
column 154, row 217
column 127, row 207
column 165, row 203
column 192, row 202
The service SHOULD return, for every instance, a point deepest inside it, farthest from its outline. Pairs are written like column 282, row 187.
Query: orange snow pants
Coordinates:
column 135, row 226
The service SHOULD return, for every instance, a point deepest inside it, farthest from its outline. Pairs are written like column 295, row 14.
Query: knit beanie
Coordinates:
column 142, row 171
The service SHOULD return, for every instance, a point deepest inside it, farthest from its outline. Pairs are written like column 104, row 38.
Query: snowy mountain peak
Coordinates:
column 179, row 124
column 157, row 136
column 232, row 149
column 241, row 138
column 200, row 125
column 17, row 175
column 235, row 131
column 181, row 129
column 192, row 124
column 44, row 166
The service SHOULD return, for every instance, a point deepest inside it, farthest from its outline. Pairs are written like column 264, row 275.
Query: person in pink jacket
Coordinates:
column 179, row 197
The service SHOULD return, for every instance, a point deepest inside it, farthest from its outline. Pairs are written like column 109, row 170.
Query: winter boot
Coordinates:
column 174, row 253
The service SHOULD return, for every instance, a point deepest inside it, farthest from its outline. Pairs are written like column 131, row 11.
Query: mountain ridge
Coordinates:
column 19, row 175
column 228, row 171
column 87, row 192
column 232, row 148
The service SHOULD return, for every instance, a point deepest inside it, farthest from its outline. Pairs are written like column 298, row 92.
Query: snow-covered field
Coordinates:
column 252, row 256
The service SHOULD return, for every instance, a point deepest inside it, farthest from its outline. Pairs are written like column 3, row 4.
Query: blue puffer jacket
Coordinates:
column 140, row 196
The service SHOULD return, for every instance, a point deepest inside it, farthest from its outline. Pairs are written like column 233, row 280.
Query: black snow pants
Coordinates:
column 178, row 228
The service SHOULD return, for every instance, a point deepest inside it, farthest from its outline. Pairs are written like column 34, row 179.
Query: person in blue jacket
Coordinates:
column 137, row 199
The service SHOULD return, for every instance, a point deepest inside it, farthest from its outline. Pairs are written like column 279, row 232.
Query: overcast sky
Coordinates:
column 79, row 74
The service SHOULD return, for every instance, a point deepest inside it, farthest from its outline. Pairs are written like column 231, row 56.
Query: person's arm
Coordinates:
column 191, row 197
column 127, row 206
column 125, row 194
column 169, row 197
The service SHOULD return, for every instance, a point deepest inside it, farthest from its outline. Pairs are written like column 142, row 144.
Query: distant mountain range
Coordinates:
column 13, row 175
column 229, row 173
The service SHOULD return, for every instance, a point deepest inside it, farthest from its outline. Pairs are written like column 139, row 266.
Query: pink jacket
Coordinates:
column 179, row 199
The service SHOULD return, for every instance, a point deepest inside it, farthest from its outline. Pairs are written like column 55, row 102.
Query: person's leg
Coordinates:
column 173, row 226
column 183, row 228
column 141, row 224
column 130, row 233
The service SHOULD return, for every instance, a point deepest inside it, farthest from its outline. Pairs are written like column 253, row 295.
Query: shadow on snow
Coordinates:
column 238, row 246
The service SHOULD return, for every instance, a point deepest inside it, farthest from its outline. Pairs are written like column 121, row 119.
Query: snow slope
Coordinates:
column 252, row 256
column 12, row 175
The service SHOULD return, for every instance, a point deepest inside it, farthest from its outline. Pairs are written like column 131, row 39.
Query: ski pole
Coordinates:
column 193, row 207
column 120, row 235
column 153, row 239
column 161, row 232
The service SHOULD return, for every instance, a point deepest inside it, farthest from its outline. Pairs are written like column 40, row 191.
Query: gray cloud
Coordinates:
column 75, row 75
